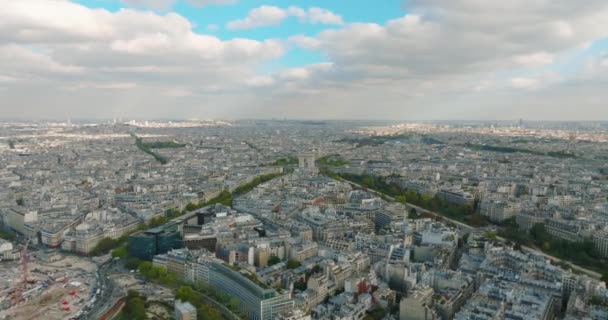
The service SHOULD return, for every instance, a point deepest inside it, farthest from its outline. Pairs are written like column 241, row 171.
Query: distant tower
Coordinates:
column 307, row 161
column 521, row 123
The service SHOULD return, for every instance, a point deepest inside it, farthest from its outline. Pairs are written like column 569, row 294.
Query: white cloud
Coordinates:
column 260, row 81
column 65, row 43
column 160, row 5
column 163, row 5
column 273, row 16
column 535, row 59
column 323, row 16
column 117, row 85
column 201, row 3
column 525, row 83
column 444, row 59
column 262, row 16
column 177, row 92
column 295, row 74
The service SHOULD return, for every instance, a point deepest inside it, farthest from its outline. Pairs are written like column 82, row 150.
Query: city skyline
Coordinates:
column 412, row 60
column 304, row 220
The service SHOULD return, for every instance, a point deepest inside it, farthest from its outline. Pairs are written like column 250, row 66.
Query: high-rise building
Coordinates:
column 256, row 300
column 146, row 244
column 600, row 239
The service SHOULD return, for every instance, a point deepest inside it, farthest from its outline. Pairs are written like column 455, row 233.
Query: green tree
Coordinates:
column 413, row 214
column 119, row 252
column 145, row 268
column 234, row 304
column 105, row 245
column 207, row 312
column 191, row 206
column 186, row 293
column 292, row 264
column 157, row 221
column 132, row 263
column 175, row 213
column 273, row 260
column 539, row 234
column 316, row 268
column 225, row 198
column 490, row 234
column 169, row 279
column 300, row 285
column 135, row 307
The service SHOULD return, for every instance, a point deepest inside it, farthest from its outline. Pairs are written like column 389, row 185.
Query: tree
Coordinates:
column 186, row 293
column 477, row 220
column 490, row 234
column 207, row 312
column 539, row 234
column 292, row 264
column 413, row 214
column 145, row 268
column 105, row 245
column 119, row 252
column 316, row 269
column 300, row 285
column 605, row 277
column 169, row 279
column 191, row 206
column 135, row 307
column 175, row 213
column 132, row 263
column 234, row 304
column 157, row 221
column 273, row 260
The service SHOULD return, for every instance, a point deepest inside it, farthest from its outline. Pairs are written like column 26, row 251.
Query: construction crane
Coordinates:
column 21, row 286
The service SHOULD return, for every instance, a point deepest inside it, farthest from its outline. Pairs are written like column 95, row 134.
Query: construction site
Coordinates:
column 44, row 285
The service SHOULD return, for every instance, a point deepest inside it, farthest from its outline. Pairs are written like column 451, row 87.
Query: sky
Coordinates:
column 307, row 59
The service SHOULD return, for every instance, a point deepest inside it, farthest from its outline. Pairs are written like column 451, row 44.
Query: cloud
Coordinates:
column 260, row 81
column 65, row 43
column 525, row 83
column 443, row 59
column 201, row 3
column 323, row 16
column 460, row 39
column 534, row 59
column 160, row 5
column 445, row 51
column 262, row 16
column 273, row 16
column 164, row 5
